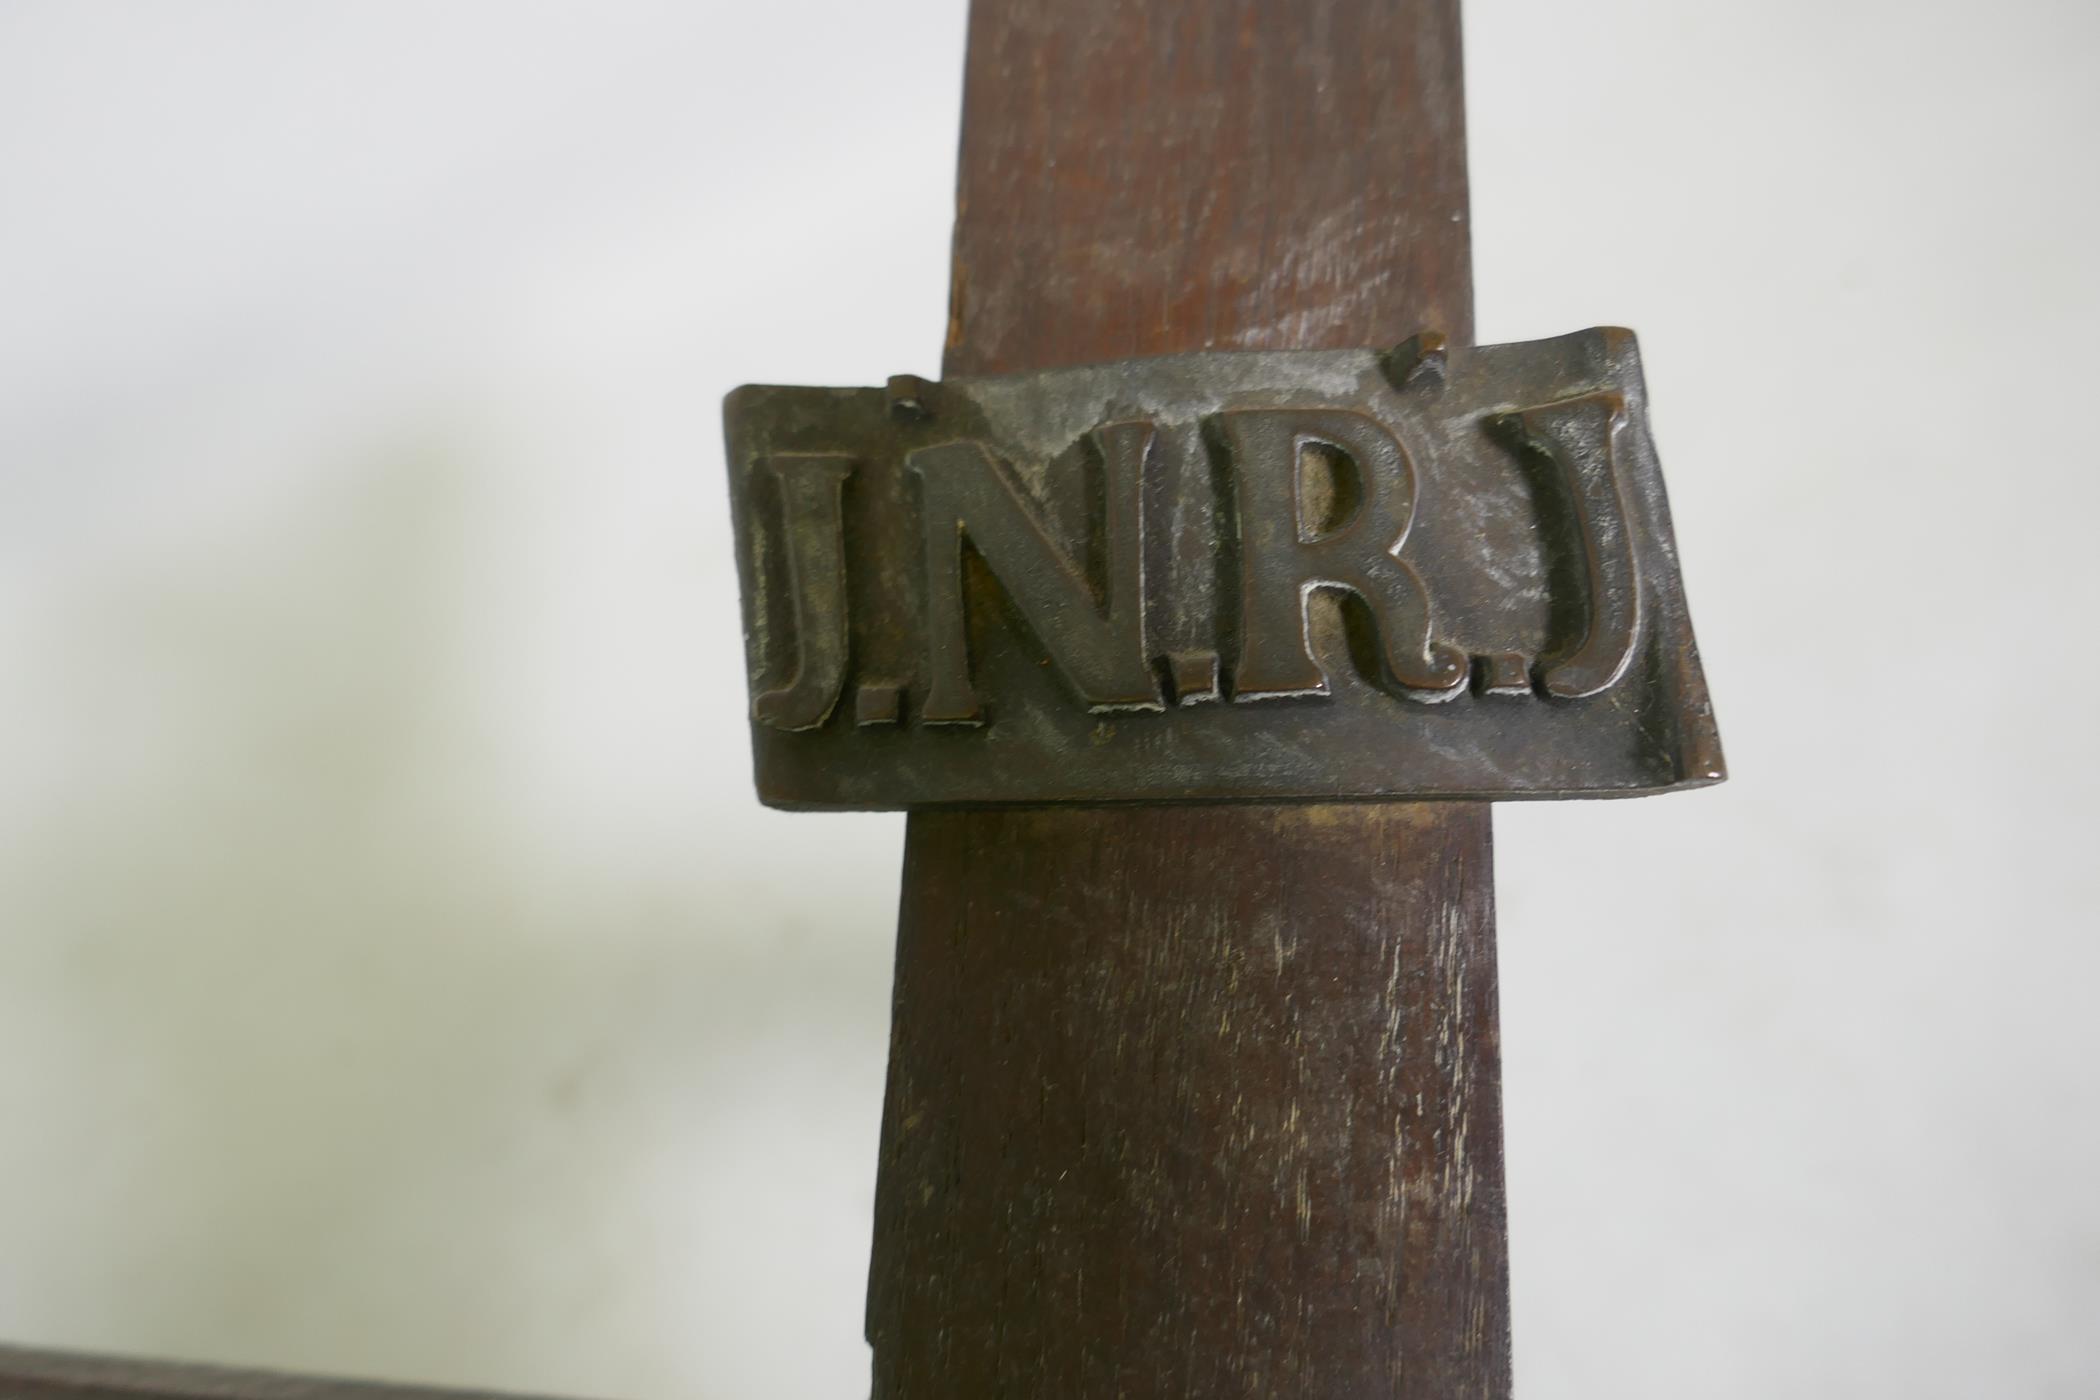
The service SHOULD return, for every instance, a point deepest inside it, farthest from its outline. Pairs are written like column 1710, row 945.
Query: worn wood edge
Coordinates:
column 44, row 1374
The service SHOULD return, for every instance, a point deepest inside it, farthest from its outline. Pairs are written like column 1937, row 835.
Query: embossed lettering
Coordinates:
column 1287, row 552
column 813, row 534
column 1367, row 529
column 1097, row 643
column 1579, row 436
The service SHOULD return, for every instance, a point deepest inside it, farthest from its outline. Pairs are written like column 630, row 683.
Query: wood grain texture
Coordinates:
column 1194, row 1102
column 1141, row 177
column 1198, row 1101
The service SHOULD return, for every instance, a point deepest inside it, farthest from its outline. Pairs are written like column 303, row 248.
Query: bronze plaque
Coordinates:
column 1219, row 576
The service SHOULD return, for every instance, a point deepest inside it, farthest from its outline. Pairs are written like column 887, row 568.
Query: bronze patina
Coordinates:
column 1216, row 576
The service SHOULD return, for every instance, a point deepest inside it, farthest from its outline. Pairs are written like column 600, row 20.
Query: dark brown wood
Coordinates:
column 1141, row 177
column 1194, row 1102
column 1198, row 1101
column 62, row 1375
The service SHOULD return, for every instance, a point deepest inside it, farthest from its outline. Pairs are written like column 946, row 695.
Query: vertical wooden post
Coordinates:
column 1198, row 1101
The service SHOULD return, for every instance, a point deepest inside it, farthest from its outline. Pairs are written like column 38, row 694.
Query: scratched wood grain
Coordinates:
column 1198, row 1101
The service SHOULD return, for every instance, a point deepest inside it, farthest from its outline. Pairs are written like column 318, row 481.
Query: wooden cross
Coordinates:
column 1194, row 1084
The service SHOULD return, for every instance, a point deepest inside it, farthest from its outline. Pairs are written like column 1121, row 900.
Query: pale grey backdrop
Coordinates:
column 397, row 977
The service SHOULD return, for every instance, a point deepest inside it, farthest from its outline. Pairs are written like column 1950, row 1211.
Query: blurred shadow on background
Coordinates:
column 360, row 1046
column 397, row 975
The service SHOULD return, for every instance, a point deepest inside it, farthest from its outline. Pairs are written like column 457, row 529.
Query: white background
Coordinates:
column 397, row 976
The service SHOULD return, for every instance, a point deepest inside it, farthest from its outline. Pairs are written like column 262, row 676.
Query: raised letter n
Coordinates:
column 1097, row 643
